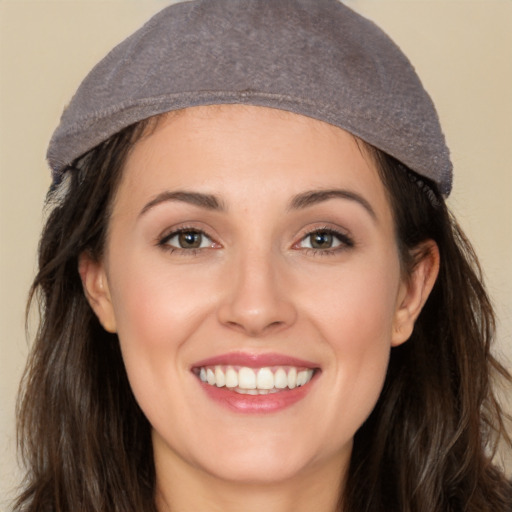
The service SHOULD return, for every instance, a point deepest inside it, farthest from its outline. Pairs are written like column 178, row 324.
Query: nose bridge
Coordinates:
column 256, row 300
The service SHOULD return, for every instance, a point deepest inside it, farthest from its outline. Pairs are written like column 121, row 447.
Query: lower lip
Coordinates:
column 272, row 402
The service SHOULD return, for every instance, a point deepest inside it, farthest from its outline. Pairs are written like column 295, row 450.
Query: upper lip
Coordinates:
column 252, row 360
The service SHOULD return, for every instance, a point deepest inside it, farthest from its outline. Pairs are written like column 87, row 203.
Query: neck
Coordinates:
column 184, row 488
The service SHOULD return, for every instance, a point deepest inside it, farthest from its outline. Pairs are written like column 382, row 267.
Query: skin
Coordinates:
column 255, row 286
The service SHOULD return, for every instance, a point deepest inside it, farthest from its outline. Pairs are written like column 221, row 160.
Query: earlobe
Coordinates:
column 95, row 285
column 415, row 291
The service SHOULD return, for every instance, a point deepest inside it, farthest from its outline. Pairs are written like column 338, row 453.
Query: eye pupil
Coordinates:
column 190, row 239
column 321, row 240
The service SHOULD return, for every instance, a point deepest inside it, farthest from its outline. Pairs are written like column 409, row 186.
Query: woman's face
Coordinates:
column 252, row 275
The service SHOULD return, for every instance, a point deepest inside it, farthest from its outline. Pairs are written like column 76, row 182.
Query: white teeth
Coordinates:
column 220, row 378
column 265, row 378
column 280, row 379
column 292, row 378
column 255, row 382
column 302, row 378
column 210, row 377
column 246, row 378
column 231, row 378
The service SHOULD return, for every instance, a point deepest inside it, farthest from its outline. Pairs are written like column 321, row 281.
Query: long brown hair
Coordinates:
column 87, row 445
column 84, row 440
column 428, row 444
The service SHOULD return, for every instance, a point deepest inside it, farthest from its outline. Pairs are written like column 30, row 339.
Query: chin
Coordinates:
column 263, row 468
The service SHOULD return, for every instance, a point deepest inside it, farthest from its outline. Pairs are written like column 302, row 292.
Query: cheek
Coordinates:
column 355, row 318
column 156, row 312
column 356, row 305
column 155, row 304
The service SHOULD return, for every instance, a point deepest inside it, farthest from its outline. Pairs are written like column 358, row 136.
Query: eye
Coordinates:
column 325, row 240
column 187, row 239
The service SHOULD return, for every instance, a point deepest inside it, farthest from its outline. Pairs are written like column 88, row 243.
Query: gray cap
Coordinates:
column 317, row 58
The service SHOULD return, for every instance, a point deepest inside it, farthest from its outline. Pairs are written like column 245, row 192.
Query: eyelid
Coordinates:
column 163, row 239
column 345, row 239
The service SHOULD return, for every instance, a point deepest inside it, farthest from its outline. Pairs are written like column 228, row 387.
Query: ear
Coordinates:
column 95, row 284
column 414, row 291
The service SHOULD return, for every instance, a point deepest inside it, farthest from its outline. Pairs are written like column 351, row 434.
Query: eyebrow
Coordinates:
column 300, row 201
column 312, row 197
column 207, row 201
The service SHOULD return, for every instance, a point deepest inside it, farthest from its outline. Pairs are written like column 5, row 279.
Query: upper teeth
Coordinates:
column 244, row 378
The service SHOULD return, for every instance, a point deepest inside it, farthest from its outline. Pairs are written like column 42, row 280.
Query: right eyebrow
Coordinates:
column 312, row 197
column 207, row 201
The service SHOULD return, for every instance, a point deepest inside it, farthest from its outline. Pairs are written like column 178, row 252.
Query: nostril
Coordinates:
column 255, row 329
column 274, row 325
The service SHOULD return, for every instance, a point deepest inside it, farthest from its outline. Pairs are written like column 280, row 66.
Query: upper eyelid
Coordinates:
column 166, row 235
column 343, row 234
column 326, row 228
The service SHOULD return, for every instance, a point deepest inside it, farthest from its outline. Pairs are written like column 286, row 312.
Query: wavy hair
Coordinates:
column 429, row 443
column 87, row 445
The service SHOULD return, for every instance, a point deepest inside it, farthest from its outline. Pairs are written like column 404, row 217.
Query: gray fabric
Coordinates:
column 312, row 57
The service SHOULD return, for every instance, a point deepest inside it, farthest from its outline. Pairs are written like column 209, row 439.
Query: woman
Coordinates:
column 253, row 294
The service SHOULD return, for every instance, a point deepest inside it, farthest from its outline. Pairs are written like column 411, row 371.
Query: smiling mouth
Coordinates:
column 255, row 381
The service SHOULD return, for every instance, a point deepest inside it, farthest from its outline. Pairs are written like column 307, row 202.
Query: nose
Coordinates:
column 257, row 300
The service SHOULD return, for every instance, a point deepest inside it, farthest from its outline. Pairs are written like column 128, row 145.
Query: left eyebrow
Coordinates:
column 206, row 201
column 312, row 197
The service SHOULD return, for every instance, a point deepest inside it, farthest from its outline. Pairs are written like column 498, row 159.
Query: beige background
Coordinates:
column 461, row 48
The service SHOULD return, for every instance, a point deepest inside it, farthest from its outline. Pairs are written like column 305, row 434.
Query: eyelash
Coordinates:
column 345, row 242
column 163, row 242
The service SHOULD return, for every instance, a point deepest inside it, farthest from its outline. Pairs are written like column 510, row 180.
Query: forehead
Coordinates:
column 240, row 151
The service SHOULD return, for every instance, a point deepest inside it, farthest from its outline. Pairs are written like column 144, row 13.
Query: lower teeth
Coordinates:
column 243, row 391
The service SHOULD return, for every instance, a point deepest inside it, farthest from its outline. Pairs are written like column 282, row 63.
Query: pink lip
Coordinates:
column 255, row 360
column 270, row 403
column 273, row 402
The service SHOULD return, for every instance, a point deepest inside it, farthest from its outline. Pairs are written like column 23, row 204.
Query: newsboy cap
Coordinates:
column 317, row 58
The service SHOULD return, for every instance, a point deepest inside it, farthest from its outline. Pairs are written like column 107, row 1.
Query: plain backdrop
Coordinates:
column 462, row 49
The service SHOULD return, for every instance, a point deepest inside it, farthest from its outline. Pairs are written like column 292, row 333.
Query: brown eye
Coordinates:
column 326, row 240
column 321, row 240
column 190, row 239
column 187, row 239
